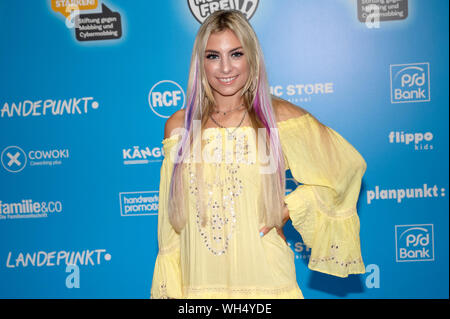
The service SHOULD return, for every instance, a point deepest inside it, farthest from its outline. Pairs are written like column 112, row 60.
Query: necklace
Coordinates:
column 225, row 113
column 230, row 135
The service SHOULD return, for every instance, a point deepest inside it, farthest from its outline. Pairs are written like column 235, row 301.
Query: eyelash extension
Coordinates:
column 210, row 55
column 234, row 54
column 238, row 52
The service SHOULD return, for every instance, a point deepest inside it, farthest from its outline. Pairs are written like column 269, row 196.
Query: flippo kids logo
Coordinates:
column 104, row 25
column 201, row 9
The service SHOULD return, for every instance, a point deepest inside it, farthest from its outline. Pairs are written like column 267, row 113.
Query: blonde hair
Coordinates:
column 256, row 99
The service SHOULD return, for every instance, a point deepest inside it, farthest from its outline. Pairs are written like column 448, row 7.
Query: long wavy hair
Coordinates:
column 257, row 100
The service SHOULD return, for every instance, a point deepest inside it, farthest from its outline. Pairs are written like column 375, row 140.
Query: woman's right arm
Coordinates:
column 167, row 272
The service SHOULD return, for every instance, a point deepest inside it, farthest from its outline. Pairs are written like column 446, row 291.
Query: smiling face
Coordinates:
column 225, row 64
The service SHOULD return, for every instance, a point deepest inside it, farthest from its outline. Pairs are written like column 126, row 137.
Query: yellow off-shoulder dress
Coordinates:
column 227, row 258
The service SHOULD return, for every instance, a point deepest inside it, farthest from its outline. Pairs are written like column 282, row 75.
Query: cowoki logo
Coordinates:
column 243, row 141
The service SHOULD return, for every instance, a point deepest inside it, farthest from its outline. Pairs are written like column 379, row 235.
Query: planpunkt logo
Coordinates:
column 400, row 194
column 138, row 155
column 410, row 82
column 14, row 159
column 166, row 97
column 201, row 9
column 139, row 203
column 414, row 242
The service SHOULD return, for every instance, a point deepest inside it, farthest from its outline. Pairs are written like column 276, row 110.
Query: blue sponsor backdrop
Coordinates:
column 83, row 105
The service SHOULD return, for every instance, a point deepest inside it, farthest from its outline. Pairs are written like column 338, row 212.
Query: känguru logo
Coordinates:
column 201, row 9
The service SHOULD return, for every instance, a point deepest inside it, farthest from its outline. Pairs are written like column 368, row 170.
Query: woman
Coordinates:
column 220, row 221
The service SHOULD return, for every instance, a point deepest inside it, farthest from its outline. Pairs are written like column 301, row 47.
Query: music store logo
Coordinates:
column 414, row 242
column 201, row 9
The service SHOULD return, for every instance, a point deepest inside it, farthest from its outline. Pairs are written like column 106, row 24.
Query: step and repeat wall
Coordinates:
column 83, row 104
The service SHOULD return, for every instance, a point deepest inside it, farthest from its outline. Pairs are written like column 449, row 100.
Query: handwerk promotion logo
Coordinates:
column 410, row 82
column 139, row 203
column 104, row 25
column 166, row 97
column 201, row 9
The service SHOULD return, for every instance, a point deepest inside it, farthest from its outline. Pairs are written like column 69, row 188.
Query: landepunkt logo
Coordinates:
column 410, row 82
column 201, row 9
column 49, row 107
column 414, row 242
column 87, row 257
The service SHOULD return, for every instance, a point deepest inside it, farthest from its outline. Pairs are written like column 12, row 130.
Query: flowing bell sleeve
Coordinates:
column 167, row 272
column 323, row 209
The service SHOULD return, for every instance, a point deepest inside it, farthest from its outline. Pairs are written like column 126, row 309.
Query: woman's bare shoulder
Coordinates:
column 285, row 110
column 176, row 120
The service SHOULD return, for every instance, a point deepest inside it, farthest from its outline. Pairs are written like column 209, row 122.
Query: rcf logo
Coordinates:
column 201, row 9
column 414, row 242
column 410, row 82
column 165, row 98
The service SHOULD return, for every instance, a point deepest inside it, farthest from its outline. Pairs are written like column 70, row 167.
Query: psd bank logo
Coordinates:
column 13, row 159
column 165, row 98
column 410, row 82
column 414, row 242
column 201, row 9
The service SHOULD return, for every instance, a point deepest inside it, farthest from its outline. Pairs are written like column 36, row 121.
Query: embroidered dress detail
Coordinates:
column 220, row 196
